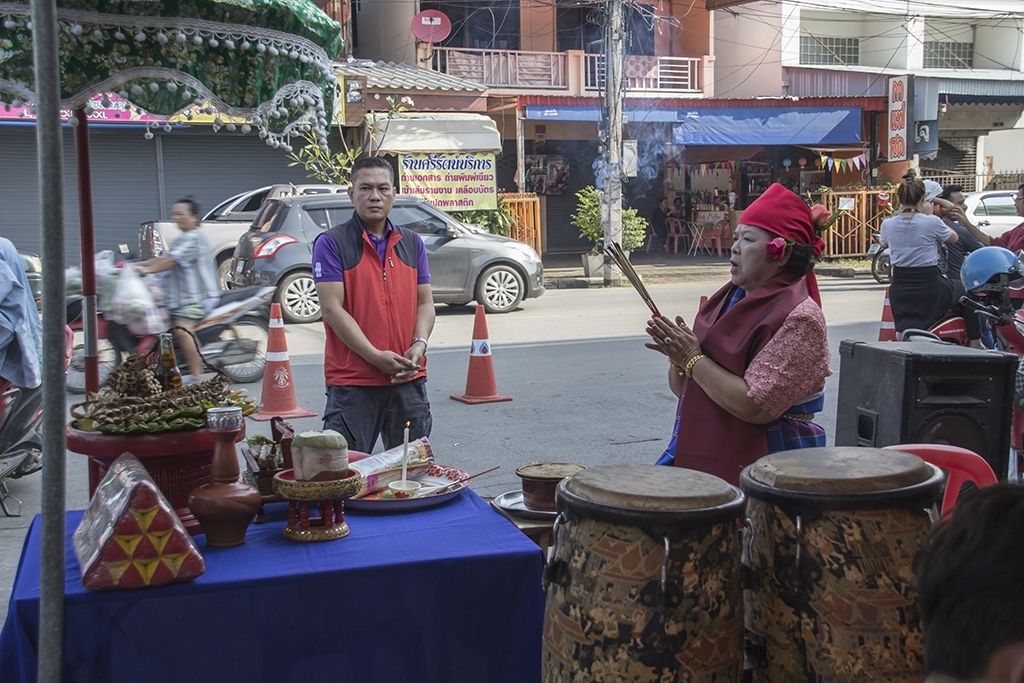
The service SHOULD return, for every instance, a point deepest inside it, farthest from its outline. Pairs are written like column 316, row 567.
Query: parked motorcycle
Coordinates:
column 232, row 337
column 987, row 275
column 881, row 265
column 21, row 447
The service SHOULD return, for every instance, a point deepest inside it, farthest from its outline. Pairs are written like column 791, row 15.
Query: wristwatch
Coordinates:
column 420, row 339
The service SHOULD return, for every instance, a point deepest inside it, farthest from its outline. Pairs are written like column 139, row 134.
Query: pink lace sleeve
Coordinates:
column 794, row 364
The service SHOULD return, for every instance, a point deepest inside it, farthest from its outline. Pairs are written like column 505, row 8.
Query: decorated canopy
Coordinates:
column 267, row 61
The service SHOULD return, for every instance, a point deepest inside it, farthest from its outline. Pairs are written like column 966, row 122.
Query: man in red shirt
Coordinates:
column 374, row 287
column 1012, row 239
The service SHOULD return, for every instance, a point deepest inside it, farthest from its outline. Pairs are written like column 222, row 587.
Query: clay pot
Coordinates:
column 540, row 479
column 226, row 506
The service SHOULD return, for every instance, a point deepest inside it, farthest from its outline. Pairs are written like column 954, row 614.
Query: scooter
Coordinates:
column 987, row 275
column 21, row 448
column 881, row 265
column 233, row 338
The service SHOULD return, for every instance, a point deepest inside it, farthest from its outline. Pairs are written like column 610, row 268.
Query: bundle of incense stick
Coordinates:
column 615, row 251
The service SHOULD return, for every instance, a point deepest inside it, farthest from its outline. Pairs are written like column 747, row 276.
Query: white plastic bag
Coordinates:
column 104, row 261
column 153, row 321
column 133, row 305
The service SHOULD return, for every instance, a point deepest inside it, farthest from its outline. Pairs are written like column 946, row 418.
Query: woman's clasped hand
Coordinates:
column 673, row 339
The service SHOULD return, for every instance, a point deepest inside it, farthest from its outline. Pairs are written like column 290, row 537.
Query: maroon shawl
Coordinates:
column 710, row 438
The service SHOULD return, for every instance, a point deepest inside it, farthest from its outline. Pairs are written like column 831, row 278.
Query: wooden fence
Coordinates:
column 1007, row 180
column 524, row 207
column 850, row 236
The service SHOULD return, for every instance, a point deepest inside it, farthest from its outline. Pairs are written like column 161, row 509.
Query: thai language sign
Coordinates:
column 897, row 148
column 452, row 182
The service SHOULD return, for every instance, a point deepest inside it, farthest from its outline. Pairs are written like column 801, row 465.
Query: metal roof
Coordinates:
column 404, row 76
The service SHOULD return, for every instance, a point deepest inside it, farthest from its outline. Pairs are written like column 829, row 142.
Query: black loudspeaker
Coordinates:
column 926, row 392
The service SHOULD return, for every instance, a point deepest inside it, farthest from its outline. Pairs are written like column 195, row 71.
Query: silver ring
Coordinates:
column 668, row 340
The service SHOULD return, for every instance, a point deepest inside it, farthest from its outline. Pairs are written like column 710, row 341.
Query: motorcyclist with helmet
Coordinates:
column 1012, row 239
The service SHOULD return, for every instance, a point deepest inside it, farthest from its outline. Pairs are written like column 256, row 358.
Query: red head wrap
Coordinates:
column 783, row 213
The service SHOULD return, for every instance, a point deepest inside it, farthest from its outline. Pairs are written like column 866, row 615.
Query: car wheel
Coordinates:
column 223, row 271
column 298, row 298
column 499, row 289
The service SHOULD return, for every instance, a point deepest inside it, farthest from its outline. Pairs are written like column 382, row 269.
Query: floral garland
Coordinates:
column 278, row 80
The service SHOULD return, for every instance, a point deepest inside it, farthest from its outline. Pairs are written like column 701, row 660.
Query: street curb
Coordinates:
column 580, row 282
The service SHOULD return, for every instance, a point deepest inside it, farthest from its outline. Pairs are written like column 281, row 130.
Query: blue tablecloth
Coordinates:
column 447, row 594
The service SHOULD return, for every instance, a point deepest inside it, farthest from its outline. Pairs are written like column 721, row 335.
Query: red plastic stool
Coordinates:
column 960, row 465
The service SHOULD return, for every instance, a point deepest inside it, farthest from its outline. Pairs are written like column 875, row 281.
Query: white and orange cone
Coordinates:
column 887, row 329
column 480, row 384
column 278, row 398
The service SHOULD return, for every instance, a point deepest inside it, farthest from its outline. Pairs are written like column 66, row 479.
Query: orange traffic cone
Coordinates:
column 703, row 302
column 480, row 384
column 887, row 330
column 278, row 398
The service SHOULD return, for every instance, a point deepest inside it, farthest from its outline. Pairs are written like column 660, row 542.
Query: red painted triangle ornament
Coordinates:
column 130, row 537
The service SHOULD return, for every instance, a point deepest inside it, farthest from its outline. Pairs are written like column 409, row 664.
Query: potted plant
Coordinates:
column 588, row 219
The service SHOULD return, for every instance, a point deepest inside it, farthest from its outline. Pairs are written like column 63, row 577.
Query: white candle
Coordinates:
column 405, row 451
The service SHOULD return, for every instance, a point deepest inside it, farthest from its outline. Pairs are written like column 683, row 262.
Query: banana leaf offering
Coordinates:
column 132, row 402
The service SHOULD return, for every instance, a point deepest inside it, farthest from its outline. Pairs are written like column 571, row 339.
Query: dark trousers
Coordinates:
column 360, row 414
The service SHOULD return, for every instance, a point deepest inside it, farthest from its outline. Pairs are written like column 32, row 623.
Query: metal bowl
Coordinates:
column 224, row 419
column 540, row 479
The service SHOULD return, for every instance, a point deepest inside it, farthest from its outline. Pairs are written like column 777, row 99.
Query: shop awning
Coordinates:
column 587, row 112
column 768, row 126
column 434, row 133
column 712, row 153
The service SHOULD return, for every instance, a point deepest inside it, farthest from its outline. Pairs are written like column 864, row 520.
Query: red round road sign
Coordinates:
column 431, row 26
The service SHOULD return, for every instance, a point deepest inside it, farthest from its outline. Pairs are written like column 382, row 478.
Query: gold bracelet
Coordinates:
column 688, row 370
column 677, row 367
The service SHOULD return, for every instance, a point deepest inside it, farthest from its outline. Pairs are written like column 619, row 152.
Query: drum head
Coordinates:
column 840, row 470
column 650, row 487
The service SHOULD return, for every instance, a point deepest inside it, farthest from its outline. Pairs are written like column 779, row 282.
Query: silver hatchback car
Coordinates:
column 466, row 263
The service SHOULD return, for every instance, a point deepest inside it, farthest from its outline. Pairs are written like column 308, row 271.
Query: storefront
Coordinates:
column 717, row 156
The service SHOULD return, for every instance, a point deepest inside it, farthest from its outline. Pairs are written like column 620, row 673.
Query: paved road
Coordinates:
column 585, row 389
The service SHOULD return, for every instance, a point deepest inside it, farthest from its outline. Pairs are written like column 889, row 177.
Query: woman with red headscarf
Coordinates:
column 750, row 373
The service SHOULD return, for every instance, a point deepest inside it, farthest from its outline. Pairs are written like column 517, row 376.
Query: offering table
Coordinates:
column 447, row 594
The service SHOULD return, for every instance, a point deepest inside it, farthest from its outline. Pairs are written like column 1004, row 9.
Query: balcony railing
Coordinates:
column 498, row 68
column 676, row 74
column 555, row 71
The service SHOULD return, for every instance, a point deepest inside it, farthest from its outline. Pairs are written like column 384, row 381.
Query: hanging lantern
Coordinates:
column 802, row 161
column 787, row 162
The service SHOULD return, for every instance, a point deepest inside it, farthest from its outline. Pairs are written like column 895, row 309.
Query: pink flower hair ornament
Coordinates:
column 777, row 247
column 822, row 219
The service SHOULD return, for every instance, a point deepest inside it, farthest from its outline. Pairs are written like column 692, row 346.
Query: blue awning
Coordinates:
column 583, row 112
column 768, row 126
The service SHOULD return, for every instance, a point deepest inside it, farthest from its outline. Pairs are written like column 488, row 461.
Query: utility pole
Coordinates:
column 613, row 151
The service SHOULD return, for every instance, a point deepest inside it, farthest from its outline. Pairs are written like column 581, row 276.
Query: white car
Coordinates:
column 992, row 211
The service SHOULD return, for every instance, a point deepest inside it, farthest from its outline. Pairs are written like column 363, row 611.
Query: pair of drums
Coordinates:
column 646, row 581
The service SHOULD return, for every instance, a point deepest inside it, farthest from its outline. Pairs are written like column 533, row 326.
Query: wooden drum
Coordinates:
column 831, row 536
column 644, row 580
